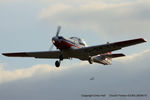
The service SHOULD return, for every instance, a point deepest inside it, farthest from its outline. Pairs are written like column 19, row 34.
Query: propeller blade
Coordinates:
column 58, row 30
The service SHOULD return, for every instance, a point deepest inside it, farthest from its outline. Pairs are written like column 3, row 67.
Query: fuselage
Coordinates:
column 62, row 43
column 66, row 43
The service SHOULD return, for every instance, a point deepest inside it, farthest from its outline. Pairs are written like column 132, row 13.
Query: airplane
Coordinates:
column 75, row 47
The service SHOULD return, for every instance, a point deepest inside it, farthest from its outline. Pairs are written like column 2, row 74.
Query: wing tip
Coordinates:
column 4, row 54
column 139, row 39
column 123, row 54
column 144, row 40
column 14, row 54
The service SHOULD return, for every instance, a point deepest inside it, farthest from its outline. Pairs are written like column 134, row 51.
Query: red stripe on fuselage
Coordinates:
column 64, row 44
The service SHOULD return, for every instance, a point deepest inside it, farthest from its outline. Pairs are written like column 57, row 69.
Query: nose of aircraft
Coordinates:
column 54, row 39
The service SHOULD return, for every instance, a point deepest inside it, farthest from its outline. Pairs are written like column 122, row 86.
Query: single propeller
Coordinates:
column 58, row 30
column 57, row 33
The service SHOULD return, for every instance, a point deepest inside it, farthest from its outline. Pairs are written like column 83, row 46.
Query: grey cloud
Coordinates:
column 37, row 70
column 109, row 19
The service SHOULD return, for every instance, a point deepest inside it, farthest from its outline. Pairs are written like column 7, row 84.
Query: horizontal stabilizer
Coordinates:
column 115, row 55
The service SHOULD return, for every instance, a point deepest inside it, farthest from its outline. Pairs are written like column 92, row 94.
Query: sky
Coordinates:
column 29, row 25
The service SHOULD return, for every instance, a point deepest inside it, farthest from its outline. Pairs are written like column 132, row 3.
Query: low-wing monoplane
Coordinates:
column 75, row 47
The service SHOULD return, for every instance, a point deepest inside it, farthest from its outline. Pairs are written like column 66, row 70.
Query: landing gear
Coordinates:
column 57, row 63
column 90, row 60
column 61, row 57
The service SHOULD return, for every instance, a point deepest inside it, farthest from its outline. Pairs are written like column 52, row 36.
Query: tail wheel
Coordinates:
column 57, row 63
column 90, row 60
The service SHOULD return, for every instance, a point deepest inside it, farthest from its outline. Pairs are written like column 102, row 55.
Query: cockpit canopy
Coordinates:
column 79, row 41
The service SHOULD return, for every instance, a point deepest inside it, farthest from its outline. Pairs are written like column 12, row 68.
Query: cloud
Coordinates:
column 135, row 62
column 37, row 70
column 40, row 70
column 107, row 18
column 134, row 57
column 130, row 76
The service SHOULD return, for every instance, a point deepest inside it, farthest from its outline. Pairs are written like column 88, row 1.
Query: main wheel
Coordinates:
column 90, row 60
column 57, row 63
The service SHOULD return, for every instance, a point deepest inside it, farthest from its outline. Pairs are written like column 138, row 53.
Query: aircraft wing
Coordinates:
column 41, row 54
column 84, row 53
column 81, row 53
